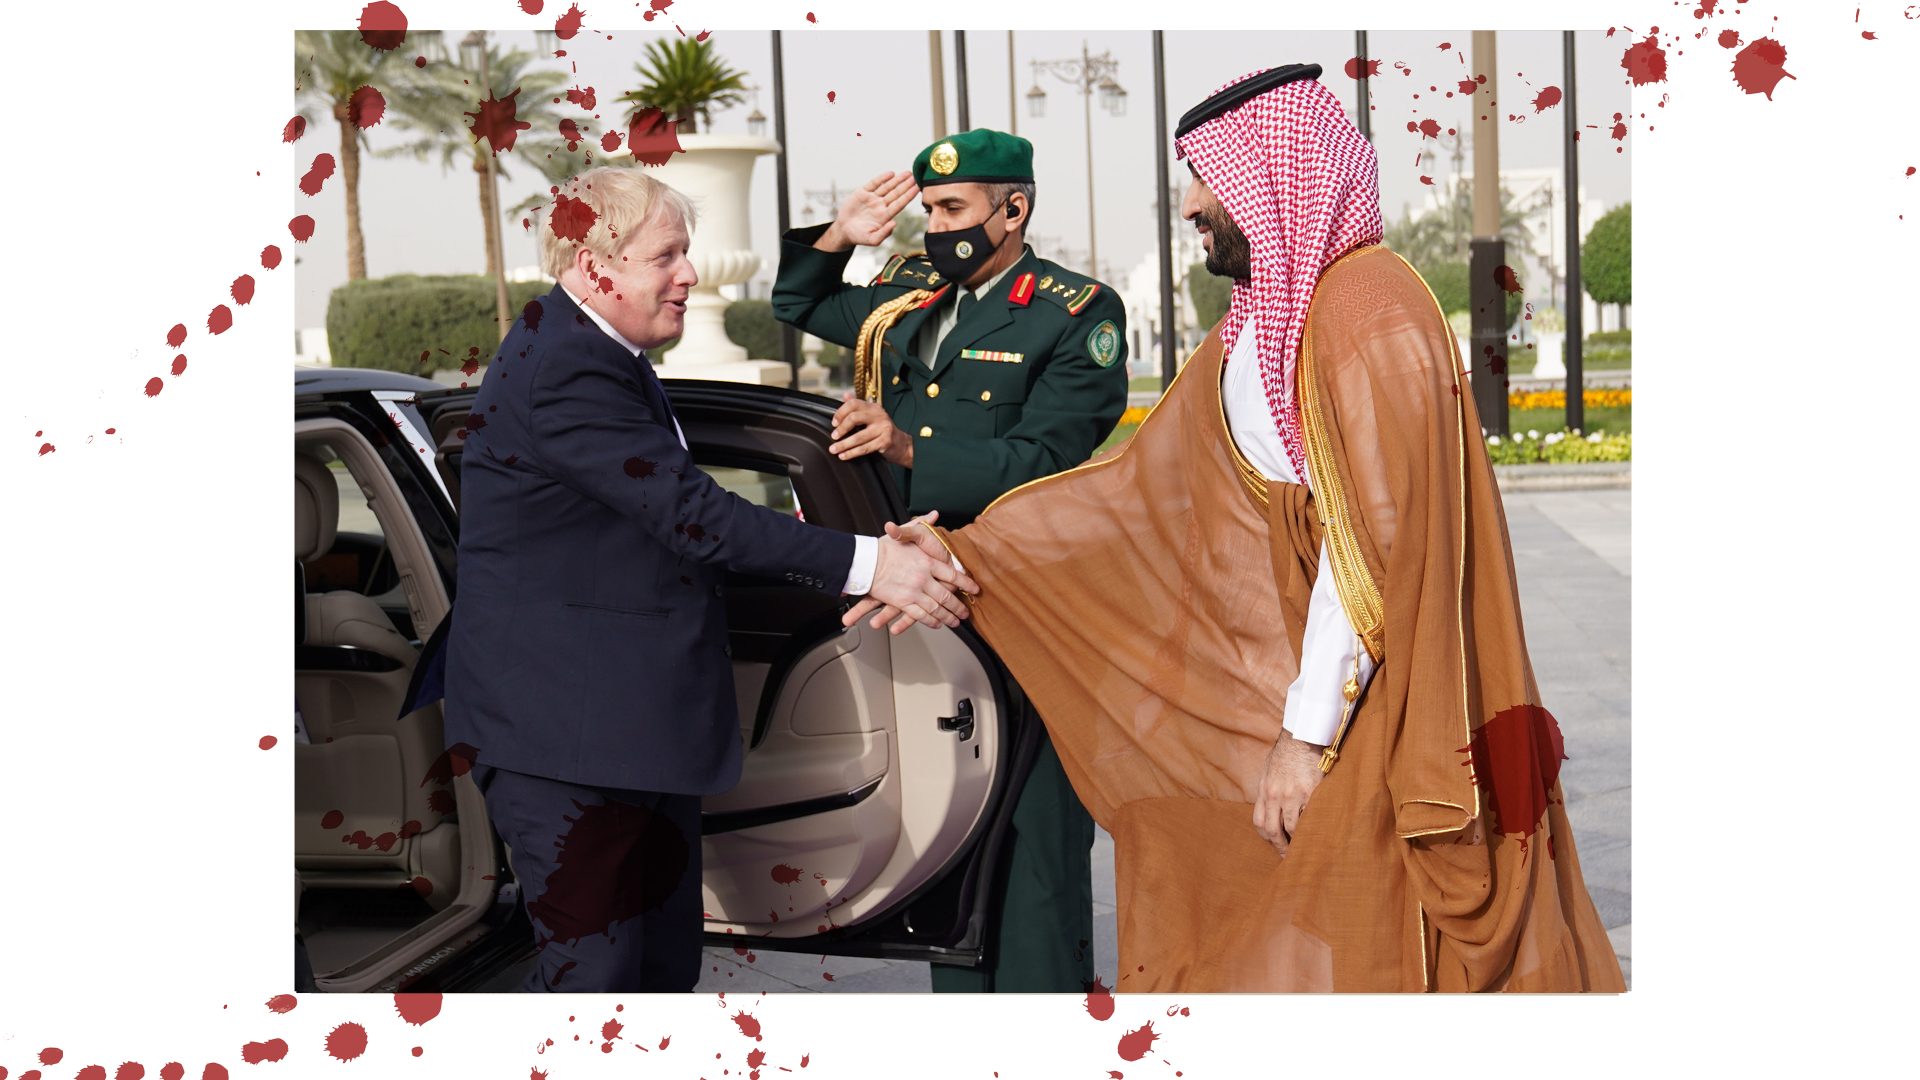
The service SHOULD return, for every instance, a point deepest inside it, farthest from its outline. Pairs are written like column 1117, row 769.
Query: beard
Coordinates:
column 1232, row 256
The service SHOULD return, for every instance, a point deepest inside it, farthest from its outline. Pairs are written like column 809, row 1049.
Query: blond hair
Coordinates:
column 624, row 199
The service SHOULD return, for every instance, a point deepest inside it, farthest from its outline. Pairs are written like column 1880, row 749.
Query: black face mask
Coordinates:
column 960, row 253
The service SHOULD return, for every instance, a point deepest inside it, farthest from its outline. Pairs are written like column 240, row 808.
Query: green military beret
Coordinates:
column 980, row 156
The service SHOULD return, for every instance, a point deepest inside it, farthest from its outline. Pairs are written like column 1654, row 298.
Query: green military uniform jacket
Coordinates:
column 1028, row 383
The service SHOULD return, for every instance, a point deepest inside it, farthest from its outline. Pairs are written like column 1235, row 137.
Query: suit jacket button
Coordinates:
column 926, row 432
column 986, row 395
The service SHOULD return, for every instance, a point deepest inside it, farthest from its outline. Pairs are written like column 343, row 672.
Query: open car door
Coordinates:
column 880, row 771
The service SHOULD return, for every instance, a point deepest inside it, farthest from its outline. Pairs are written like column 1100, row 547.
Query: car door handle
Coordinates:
column 962, row 722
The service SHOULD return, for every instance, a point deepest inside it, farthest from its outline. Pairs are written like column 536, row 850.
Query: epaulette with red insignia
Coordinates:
column 1069, row 290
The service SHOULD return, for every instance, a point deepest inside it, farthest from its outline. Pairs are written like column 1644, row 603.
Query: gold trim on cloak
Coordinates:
column 866, row 349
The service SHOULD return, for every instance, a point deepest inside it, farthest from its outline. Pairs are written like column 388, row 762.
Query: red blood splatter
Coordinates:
column 1427, row 180
column 419, row 61
column 1706, row 8
column 1757, row 68
column 827, row 975
column 1646, row 62
column 455, row 760
column 301, row 228
column 242, row 289
column 1468, row 86
column 1428, row 128
column 52, row 1055
column 532, row 7
column 610, row 141
column 1546, row 99
column 180, row 364
column 594, row 883
column 172, row 1070
column 332, row 819
column 531, row 315
column 652, row 137
column 385, row 841
column 1619, row 129
column 256, row 1052
column 496, row 121
column 570, row 131
column 177, row 335
column 571, row 218
column 1115, row 1074
column 440, row 802
column 214, row 1071
column 48, row 448
column 1443, row 46
column 787, row 875
column 1909, row 173
column 153, row 387
column 348, row 1041
column 1729, row 39
column 270, row 257
column 366, row 107
column 1135, row 1044
column 1358, row 69
column 317, row 174
column 282, row 1003
column 583, row 98
column 536, row 1074
column 747, row 1024
column 409, row 829
column 664, row 1040
column 1099, row 1000
column 1516, row 760
column 606, row 284
column 810, row 18
column 830, row 96
column 92, row 1072
column 220, row 319
column 640, row 469
column 804, row 1058
column 1504, row 277
column 417, row 1009
column 295, row 128
column 383, row 26
column 569, row 24
column 110, row 430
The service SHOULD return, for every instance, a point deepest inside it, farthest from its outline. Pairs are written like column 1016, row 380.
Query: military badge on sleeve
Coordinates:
column 1104, row 343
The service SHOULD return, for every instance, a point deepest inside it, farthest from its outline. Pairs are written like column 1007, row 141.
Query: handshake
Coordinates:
column 914, row 580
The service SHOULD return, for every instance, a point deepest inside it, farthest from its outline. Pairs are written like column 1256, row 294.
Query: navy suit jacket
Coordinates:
column 590, row 639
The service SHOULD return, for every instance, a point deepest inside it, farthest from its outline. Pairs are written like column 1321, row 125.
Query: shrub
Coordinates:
column 1559, row 448
column 1210, row 294
column 1452, row 285
column 389, row 322
column 1610, row 338
column 1606, row 257
column 751, row 325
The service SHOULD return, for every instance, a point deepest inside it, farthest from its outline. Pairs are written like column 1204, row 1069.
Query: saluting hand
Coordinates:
column 866, row 216
column 863, row 427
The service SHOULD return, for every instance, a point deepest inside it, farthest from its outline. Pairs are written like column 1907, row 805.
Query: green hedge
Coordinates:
column 1452, row 284
column 1609, row 338
column 388, row 322
column 751, row 325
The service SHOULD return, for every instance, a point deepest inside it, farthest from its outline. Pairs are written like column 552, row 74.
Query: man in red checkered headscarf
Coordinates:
column 1289, row 599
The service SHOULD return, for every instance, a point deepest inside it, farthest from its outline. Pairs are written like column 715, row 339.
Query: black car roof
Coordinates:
column 333, row 380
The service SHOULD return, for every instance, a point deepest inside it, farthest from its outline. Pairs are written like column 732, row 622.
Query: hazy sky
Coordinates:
column 420, row 219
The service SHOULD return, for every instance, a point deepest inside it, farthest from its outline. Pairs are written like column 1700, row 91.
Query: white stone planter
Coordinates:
column 1549, row 355
column 716, row 173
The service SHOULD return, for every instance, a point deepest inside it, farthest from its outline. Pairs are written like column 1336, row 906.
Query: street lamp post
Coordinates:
column 476, row 43
column 1089, row 73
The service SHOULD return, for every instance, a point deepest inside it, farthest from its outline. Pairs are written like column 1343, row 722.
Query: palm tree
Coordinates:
column 328, row 66
column 436, row 116
column 685, row 79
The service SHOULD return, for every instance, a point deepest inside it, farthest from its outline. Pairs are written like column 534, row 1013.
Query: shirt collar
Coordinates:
column 605, row 327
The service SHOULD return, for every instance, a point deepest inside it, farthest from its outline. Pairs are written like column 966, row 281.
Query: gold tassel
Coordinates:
column 866, row 349
column 1351, row 691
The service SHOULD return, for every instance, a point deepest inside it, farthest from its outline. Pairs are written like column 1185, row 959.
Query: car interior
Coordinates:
column 385, row 872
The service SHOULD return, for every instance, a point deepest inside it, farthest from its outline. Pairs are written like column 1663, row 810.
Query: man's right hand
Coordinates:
column 920, row 588
column 865, row 217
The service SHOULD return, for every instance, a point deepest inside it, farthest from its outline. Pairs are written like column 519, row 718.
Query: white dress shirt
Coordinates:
column 1314, row 701
column 866, row 549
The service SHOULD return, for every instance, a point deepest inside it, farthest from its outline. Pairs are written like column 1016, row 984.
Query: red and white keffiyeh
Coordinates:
column 1304, row 186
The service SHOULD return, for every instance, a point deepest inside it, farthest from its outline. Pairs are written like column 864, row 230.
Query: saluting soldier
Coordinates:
column 979, row 366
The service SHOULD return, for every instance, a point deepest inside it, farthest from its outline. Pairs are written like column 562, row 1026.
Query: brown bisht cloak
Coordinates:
column 1152, row 603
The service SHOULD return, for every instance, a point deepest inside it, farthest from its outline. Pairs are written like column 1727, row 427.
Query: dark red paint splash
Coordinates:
column 220, row 319
column 440, row 802
column 417, row 1009
column 652, row 138
column 1135, row 1044
column 270, row 257
column 748, row 1026
column 1359, row 69
column 616, row 861
column 497, row 122
column 52, row 1055
column 454, row 761
column 570, row 131
column 532, row 7
column 332, row 819
column 1099, row 1000
column 256, row 1052
column 610, row 141
column 242, row 289
column 583, row 98
column 348, row 1041
column 301, row 228
column 609, row 1031
column 1429, row 128
column 571, row 218
column 1505, row 277
column 282, row 1003
column 317, row 174
column 179, row 365
column 1546, row 99
column 383, row 26
column 91, row 1072
column 639, row 468
column 1516, row 760
column 366, row 107
column 1729, row 39
column 1646, row 62
column 154, row 386
column 177, row 336
column 531, row 315
column 787, row 875
column 48, row 448
column 1759, row 67
column 568, row 24
column 295, row 128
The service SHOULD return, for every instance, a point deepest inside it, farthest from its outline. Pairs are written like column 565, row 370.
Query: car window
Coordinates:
column 769, row 489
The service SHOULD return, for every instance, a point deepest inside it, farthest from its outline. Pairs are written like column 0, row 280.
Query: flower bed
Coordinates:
column 1558, row 448
column 1557, row 399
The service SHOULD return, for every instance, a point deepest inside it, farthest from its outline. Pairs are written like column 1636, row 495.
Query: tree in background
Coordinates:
column 1210, row 294
column 686, row 79
column 1451, row 282
column 435, row 114
column 909, row 234
column 1443, row 231
column 329, row 66
column 1606, row 260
